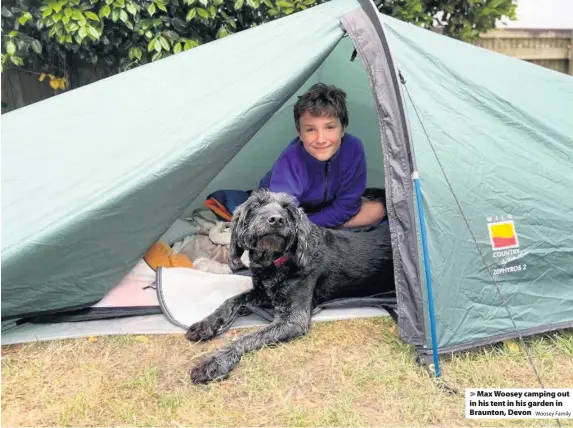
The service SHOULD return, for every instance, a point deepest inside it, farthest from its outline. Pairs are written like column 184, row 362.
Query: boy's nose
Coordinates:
column 321, row 138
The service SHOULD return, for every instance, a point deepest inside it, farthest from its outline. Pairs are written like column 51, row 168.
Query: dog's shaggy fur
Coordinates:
column 295, row 266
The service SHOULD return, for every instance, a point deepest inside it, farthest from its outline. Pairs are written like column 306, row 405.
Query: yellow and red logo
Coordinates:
column 503, row 235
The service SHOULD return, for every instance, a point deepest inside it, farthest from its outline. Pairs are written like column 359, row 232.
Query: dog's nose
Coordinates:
column 276, row 220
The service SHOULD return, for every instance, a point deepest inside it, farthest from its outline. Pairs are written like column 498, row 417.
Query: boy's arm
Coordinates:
column 347, row 201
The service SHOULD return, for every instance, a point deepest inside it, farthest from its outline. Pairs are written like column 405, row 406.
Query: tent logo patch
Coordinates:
column 505, row 244
column 503, row 235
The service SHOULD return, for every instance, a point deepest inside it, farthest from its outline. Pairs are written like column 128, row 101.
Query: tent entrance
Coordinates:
column 136, row 296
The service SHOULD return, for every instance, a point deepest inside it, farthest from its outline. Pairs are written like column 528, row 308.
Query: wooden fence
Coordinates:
column 548, row 48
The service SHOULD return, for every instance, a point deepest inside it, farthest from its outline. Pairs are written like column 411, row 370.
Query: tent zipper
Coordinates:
column 325, row 193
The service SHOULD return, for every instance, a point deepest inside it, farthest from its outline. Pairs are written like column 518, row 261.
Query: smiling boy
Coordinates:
column 324, row 168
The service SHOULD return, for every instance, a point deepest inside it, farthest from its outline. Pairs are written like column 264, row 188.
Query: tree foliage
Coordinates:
column 47, row 36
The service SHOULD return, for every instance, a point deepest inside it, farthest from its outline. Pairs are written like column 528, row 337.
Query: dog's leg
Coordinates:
column 208, row 327
column 287, row 326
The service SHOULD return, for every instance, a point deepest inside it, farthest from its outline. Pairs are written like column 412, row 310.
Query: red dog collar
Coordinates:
column 280, row 261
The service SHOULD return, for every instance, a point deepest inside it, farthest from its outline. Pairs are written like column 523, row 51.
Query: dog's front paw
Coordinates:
column 213, row 367
column 200, row 331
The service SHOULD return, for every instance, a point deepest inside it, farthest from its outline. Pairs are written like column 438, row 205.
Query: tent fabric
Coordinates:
column 502, row 147
column 97, row 200
column 152, row 324
column 369, row 42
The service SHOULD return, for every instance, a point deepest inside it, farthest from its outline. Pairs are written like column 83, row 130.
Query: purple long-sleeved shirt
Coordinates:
column 329, row 192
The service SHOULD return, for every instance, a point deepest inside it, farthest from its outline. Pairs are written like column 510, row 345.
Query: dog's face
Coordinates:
column 267, row 221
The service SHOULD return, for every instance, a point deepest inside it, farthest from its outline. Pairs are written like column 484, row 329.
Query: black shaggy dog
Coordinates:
column 295, row 266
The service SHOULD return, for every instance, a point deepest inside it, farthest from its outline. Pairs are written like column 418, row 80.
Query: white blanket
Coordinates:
column 188, row 295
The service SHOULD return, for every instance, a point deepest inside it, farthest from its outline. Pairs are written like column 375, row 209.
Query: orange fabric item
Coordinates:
column 218, row 208
column 161, row 254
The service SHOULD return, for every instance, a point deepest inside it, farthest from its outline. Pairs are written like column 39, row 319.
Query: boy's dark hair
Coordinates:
column 322, row 100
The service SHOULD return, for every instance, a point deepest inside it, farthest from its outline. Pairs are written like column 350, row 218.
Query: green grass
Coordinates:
column 345, row 373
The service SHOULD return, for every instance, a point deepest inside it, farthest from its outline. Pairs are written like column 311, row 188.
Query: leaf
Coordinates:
column 157, row 46
column 11, row 47
column 91, row 338
column 24, row 18
column 151, row 9
column 143, row 339
column 156, row 56
column 78, row 15
column 72, row 27
column 173, row 35
column 46, row 13
column 239, row 4
column 6, row 13
column 68, row 12
column 16, row 60
column 212, row 11
column 512, row 346
column 160, row 5
column 42, row 77
column 92, row 16
column 83, row 32
column 177, row 48
column 129, row 25
column 222, row 32
column 131, row 9
column 254, row 4
column 123, row 15
column 191, row 14
column 204, row 2
column 283, row 3
column 66, row 19
column 164, row 43
column 190, row 44
column 36, row 47
column 151, row 45
column 202, row 13
column 93, row 32
column 115, row 15
column 105, row 11
column 138, row 53
column 269, row 3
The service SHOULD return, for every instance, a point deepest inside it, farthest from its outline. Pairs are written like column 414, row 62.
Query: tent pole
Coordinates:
column 428, row 273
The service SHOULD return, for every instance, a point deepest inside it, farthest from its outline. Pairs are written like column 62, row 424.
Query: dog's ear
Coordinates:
column 303, row 238
column 239, row 228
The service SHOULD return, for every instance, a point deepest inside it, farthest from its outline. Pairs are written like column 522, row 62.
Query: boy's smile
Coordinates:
column 321, row 135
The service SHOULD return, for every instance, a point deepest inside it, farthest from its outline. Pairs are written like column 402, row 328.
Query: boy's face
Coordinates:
column 321, row 135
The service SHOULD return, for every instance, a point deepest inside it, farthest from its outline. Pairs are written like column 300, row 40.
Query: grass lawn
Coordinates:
column 344, row 373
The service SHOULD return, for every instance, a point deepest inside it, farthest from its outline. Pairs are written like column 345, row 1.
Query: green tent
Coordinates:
column 474, row 149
